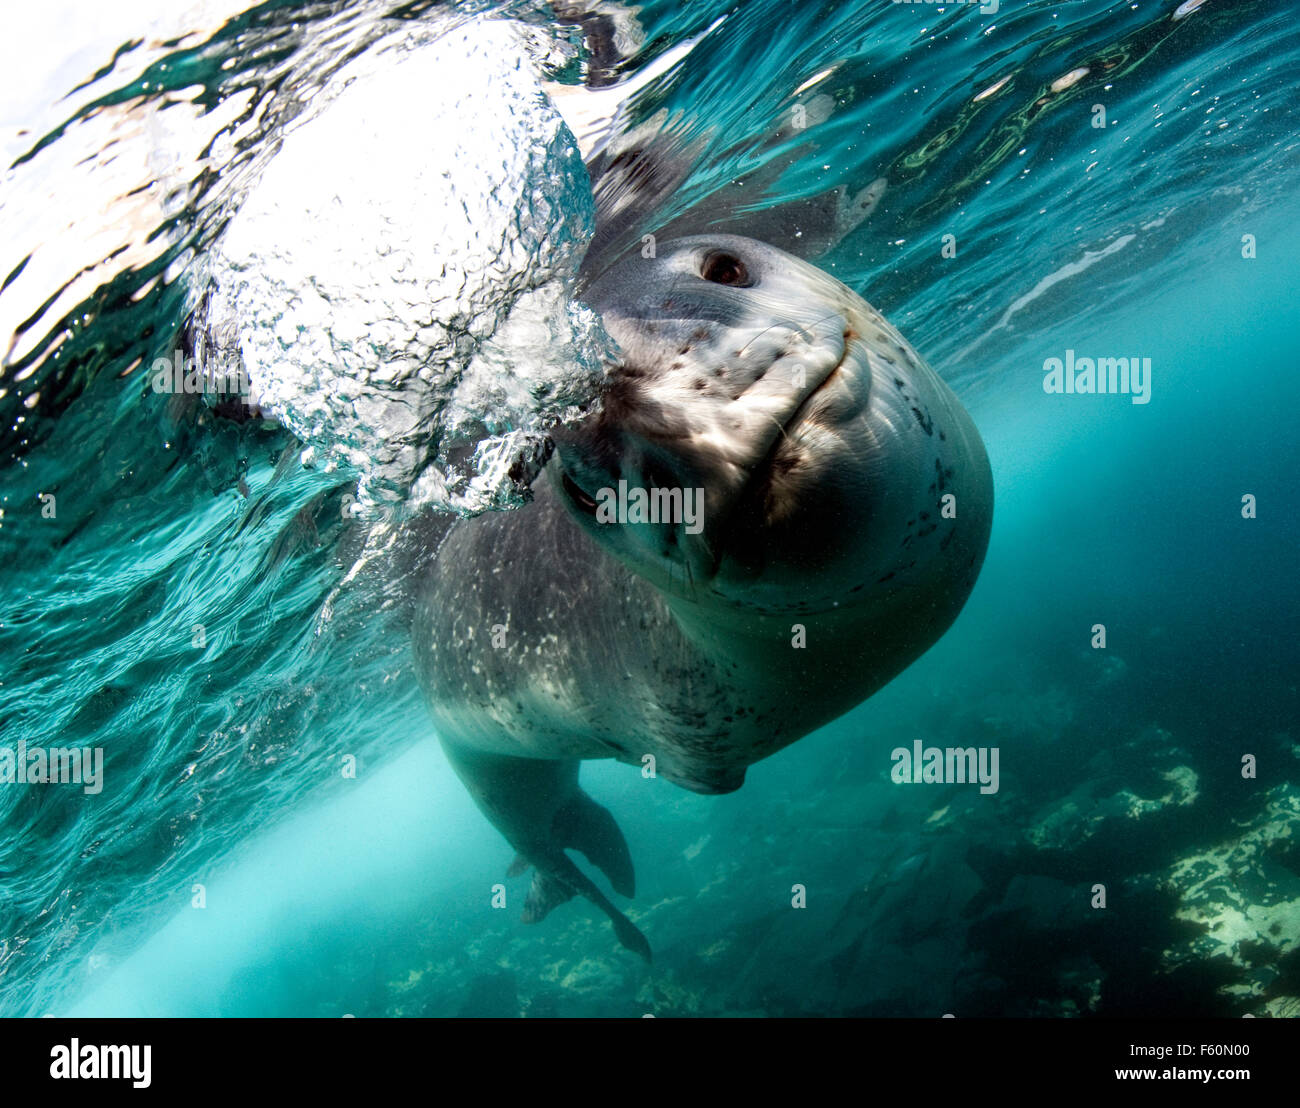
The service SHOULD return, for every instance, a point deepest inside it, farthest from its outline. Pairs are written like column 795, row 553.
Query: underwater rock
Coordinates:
column 934, row 902
column 1040, row 903
column 1243, row 895
column 589, row 975
column 1034, row 714
column 1074, row 819
column 1283, row 1007
column 491, row 996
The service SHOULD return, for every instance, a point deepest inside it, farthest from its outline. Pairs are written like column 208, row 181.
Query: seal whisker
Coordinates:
column 802, row 331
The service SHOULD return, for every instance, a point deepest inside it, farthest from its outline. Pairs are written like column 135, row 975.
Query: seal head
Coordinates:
column 820, row 445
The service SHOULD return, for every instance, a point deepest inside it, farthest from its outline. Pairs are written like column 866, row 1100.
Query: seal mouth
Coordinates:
column 764, row 468
column 802, row 410
column 772, row 485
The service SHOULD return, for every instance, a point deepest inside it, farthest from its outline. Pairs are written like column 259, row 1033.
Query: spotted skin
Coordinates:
column 824, row 447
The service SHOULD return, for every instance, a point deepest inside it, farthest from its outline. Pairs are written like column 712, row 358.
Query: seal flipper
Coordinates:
column 537, row 805
column 560, row 866
column 545, row 893
column 584, row 825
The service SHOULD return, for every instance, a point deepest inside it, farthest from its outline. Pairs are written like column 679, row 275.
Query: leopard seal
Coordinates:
column 846, row 506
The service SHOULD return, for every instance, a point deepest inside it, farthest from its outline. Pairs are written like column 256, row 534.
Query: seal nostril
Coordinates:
column 725, row 269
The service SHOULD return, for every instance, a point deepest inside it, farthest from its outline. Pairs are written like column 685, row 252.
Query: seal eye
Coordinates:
column 579, row 497
column 725, row 269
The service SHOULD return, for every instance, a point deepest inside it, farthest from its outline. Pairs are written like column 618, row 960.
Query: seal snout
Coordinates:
column 729, row 350
column 722, row 340
column 780, row 404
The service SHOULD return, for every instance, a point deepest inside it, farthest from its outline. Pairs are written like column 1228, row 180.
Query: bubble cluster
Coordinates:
column 398, row 285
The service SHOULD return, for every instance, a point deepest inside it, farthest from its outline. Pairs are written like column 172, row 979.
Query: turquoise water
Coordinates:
column 328, row 894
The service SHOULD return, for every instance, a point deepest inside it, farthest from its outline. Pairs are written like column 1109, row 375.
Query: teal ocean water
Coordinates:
column 276, row 831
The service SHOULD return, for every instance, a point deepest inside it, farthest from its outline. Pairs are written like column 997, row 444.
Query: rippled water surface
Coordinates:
column 197, row 598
